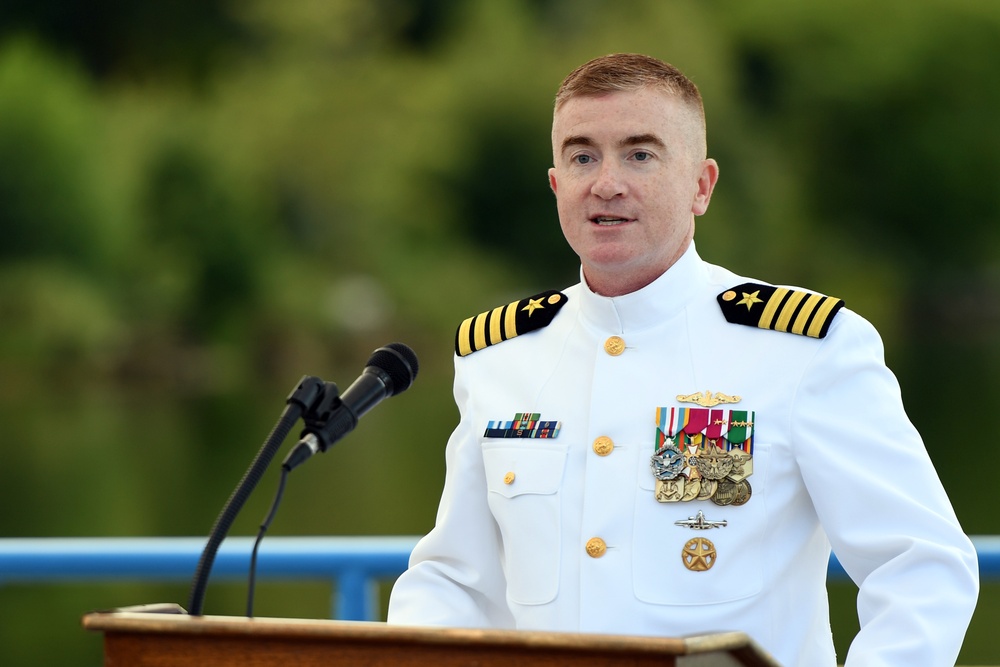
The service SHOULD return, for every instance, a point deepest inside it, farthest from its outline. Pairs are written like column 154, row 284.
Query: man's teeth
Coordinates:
column 609, row 221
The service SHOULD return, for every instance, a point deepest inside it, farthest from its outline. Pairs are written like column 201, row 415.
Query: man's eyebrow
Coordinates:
column 632, row 140
column 637, row 139
column 576, row 140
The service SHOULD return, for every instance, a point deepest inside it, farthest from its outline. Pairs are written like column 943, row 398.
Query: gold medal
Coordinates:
column 726, row 493
column 699, row 554
column 692, row 488
column 742, row 465
column 670, row 491
column 743, row 492
column 713, row 463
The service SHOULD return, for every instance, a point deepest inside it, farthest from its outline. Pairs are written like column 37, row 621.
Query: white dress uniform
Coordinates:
column 567, row 533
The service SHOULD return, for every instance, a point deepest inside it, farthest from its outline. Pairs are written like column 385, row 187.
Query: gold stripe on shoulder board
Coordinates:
column 780, row 308
column 506, row 322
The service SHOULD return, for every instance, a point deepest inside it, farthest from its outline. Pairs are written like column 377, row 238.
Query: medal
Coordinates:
column 708, row 488
column 742, row 465
column 667, row 462
column 731, row 492
column 692, row 488
column 670, row 491
column 703, row 453
column 743, row 492
column 713, row 463
column 726, row 493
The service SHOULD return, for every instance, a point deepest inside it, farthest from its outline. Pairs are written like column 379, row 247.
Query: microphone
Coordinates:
column 390, row 370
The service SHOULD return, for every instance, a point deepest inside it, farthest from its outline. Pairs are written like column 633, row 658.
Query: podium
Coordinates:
column 177, row 640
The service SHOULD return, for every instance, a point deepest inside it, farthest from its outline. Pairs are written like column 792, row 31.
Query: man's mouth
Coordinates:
column 607, row 221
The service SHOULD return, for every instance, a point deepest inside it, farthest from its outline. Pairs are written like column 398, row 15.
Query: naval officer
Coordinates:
column 666, row 448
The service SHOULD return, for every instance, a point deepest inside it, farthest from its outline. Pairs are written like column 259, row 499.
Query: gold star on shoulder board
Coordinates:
column 749, row 300
column 506, row 322
column 786, row 309
column 532, row 305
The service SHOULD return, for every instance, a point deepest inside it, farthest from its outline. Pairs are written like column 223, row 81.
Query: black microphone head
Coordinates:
column 399, row 362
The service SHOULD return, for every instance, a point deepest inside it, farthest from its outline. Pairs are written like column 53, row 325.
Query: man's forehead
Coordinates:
column 644, row 106
column 648, row 94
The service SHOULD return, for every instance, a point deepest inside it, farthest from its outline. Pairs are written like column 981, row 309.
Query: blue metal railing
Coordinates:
column 355, row 565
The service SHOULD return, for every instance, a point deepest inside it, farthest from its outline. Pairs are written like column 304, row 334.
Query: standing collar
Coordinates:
column 653, row 304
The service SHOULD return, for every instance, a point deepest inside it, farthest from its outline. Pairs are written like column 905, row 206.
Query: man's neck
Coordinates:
column 620, row 283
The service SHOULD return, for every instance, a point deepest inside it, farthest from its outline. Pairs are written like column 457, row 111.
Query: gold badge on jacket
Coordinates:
column 703, row 454
column 699, row 555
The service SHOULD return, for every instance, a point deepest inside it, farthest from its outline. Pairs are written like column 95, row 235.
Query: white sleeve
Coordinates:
column 882, row 505
column 455, row 575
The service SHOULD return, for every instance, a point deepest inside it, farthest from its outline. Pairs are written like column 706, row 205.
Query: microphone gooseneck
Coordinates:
column 390, row 370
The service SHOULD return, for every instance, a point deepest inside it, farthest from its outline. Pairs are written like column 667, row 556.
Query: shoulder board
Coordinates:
column 779, row 308
column 505, row 322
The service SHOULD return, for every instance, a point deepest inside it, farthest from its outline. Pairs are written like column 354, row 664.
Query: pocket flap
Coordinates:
column 518, row 470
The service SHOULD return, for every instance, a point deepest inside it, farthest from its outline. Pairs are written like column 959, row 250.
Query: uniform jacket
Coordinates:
column 835, row 462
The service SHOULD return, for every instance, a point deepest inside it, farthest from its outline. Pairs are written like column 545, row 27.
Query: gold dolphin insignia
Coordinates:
column 707, row 400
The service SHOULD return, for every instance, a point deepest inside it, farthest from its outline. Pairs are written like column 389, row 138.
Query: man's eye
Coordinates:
column 641, row 156
column 583, row 159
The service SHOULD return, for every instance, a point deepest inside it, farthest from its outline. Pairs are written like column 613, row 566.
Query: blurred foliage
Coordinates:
column 200, row 202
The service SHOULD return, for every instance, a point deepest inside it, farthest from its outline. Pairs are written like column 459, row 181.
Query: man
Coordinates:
column 669, row 449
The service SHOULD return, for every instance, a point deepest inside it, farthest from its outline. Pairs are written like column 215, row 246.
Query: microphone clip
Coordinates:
column 316, row 416
column 318, row 402
column 329, row 416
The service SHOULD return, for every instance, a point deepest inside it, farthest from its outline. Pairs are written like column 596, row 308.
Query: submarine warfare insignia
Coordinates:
column 524, row 425
column 505, row 322
column 703, row 454
column 699, row 522
column 779, row 308
column 707, row 400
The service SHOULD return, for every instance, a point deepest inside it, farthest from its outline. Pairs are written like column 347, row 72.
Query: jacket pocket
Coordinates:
column 660, row 575
column 523, row 483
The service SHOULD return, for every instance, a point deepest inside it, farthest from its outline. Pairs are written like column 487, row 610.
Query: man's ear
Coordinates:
column 707, row 179
column 552, row 179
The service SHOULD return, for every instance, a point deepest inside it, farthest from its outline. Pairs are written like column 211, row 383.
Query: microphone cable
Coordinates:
column 299, row 401
column 265, row 524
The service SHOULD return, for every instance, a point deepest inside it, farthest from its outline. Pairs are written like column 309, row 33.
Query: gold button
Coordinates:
column 509, row 478
column 729, row 295
column 603, row 445
column 596, row 547
column 554, row 299
column 614, row 346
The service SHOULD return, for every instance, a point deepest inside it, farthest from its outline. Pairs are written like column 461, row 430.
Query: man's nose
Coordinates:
column 610, row 182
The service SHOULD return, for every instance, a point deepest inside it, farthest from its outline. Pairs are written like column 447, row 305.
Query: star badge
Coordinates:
column 533, row 304
column 699, row 555
column 749, row 299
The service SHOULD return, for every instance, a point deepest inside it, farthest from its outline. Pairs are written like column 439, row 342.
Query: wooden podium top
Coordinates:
column 176, row 640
